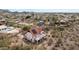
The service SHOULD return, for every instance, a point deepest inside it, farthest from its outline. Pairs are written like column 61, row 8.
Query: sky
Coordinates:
column 45, row 10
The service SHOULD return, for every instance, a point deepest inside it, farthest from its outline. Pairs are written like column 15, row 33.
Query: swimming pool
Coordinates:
column 6, row 29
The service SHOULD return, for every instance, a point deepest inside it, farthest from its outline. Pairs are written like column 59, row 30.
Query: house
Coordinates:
column 2, row 21
column 40, row 23
column 35, row 34
column 8, row 30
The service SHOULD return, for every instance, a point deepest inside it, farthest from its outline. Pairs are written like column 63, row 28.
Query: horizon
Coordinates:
column 45, row 10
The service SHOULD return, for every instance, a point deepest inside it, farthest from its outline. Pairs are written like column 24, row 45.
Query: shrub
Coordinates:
column 4, row 41
column 26, row 28
column 54, row 20
column 10, row 23
column 27, row 17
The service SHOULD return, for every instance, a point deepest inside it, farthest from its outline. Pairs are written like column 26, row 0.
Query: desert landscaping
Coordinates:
column 39, row 31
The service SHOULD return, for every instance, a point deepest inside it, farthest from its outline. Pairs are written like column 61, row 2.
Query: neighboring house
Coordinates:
column 40, row 23
column 35, row 34
column 2, row 21
column 8, row 30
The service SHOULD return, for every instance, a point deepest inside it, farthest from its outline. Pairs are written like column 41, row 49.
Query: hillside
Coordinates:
column 62, row 31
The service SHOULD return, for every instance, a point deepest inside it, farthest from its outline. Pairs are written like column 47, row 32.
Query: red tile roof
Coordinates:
column 36, row 30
